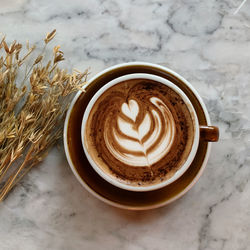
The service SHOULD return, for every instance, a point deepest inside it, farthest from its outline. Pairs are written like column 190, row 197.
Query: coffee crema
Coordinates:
column 139, row 131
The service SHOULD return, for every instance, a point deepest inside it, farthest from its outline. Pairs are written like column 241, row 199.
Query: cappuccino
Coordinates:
column 139, row 132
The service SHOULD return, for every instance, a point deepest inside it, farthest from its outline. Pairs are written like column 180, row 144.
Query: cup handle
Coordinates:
column 209, row 133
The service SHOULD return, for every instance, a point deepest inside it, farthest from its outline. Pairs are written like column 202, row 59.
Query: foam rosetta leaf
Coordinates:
column 146, row 143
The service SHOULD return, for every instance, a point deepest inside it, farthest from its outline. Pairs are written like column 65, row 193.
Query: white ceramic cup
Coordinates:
column 196, row 135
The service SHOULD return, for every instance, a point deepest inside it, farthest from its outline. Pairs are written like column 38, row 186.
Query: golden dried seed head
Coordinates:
column 12, row 47
column 18, row 47
column 6, row 48
column 38, row 59
column 56, row 49
column 58, row 58
column 50, row 36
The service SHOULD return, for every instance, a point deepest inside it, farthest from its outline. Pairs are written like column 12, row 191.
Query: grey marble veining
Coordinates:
column 203, row 41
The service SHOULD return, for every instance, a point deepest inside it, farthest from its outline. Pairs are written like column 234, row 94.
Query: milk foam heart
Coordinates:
column 131, row 109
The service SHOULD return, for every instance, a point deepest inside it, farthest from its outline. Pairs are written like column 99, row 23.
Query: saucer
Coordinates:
column 100, row 188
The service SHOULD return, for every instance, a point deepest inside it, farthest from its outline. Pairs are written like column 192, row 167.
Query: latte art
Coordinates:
column 141, row 144
column 139, row 132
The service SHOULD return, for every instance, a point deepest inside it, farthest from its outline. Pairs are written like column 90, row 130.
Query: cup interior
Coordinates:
column 112, row 180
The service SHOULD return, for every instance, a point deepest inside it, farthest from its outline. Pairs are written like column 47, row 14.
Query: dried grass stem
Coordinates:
column 32, row 111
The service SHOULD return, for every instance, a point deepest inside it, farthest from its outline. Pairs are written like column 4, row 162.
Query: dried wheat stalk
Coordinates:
column 32, row 110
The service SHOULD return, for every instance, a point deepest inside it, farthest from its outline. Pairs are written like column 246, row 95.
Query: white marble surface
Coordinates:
column 209, row 46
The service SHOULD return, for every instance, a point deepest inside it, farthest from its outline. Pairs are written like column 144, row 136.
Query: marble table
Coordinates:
column 205, row 41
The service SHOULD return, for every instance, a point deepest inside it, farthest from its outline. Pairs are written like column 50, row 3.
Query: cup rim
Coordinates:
column 191, row 154
column 114, row 203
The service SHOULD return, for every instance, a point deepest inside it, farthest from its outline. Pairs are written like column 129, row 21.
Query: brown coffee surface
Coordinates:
column 139, row 132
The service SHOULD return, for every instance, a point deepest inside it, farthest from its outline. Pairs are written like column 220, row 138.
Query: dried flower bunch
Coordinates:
column 32, row 109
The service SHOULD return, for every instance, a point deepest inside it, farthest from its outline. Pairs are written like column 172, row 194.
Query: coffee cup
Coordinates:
column 153, row 153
